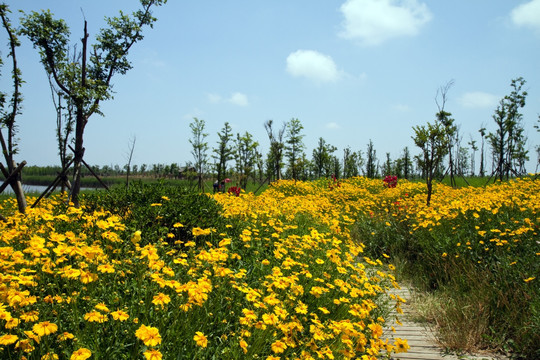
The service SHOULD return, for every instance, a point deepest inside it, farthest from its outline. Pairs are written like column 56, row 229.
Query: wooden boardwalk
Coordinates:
column 420, row 338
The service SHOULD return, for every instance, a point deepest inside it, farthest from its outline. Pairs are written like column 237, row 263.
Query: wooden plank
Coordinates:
column 410, row 336
column 420, row 337
column 410, row 355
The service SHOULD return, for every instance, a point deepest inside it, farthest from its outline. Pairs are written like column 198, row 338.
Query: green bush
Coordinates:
column 159, row 209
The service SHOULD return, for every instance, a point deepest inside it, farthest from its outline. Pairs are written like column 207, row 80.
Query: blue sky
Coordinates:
column 350, row 71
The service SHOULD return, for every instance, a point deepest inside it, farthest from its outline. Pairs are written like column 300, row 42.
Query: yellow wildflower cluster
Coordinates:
column 283, row 280
column 485, row 224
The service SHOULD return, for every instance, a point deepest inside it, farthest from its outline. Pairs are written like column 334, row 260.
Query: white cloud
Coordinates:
column 374, row 21
column 236, row 98
column 312, row 65
column 478, row 99
column 333, row 125
column 214, row 98
column 239, row 99
column 527, row 15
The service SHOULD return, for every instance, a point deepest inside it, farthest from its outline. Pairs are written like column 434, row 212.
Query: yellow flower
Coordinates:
column 376, row 330
column 136, row 237
column 149, row 335
column 250, row 314
column 49, row 356
column 529, row 279
column 30, row 316
column 8, row 339
column 278, row 346
column 30, row 334
column 65, row 336
column 95, row 316
column 88, row 277
column 301, row 308
column 270, row 319
column 25, row 345
column 224, row 242
column 12, row 323
column 120, row 315
column 81, row 354
column 106, row 268
column 161, row 299
column 324, row 310
column 102, row 307
column 200, row 339
column 198, row 231
column 152, row 355
column 244, row 345
column 177, row 225
column 401, row 345
column 281, row 312
column 44, row 328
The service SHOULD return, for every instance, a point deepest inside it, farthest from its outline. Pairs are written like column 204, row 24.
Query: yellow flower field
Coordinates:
column 285, row 275
column 283, row 281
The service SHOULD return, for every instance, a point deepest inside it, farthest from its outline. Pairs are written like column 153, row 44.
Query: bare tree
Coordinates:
column 131, row 148
column 474, row 148
column 406, row 163
column 482, row 132
column 450, row 129
column 246, row 150
column 371, row 166
column 7, row 117
column 294, row 145
column 275, row 155
column 350, row 163
column 223, row 153
column 200, row 149
column 65, row 122
column 508, row 140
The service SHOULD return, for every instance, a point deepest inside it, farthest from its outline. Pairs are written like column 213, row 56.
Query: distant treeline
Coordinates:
column 114, row 174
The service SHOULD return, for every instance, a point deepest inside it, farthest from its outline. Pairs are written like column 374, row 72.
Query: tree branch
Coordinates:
column 112, row 69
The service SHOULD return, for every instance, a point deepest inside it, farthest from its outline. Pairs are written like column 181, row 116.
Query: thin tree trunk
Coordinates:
column 19, row 193
column 78, row 156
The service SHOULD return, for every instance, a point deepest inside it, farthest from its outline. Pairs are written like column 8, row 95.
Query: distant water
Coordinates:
column 35, row 189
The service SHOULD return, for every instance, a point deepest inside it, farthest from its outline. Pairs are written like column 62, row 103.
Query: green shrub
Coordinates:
column 159, row 209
